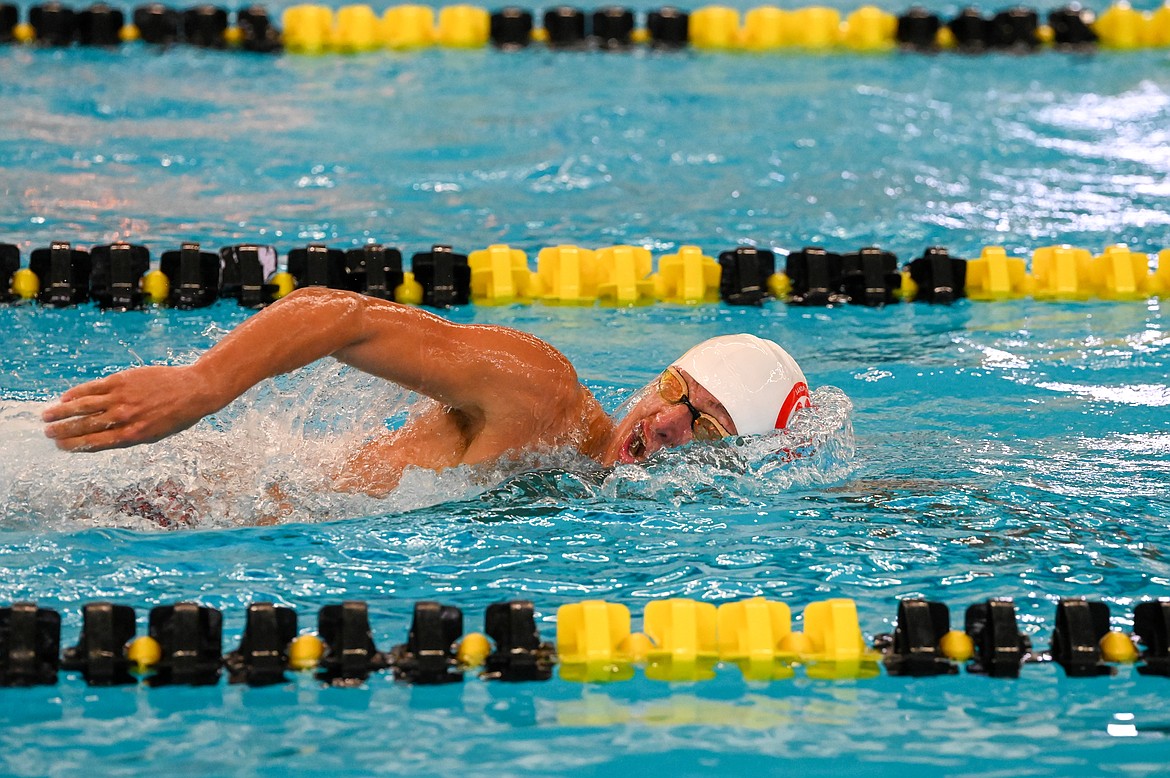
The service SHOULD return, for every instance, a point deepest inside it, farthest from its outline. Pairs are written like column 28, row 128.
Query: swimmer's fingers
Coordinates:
column 96, row 386
column 98, row 441
column 82, row 399
column 76, row 426
column 101, row 431
column 69, row 407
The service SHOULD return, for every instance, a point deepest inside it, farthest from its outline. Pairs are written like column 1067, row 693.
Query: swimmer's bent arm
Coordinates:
column 478, row 370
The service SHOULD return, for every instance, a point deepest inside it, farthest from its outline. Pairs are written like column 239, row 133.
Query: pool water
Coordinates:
column 1014, row 449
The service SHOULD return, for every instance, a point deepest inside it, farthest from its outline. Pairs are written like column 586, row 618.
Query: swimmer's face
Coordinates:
column 654, row 423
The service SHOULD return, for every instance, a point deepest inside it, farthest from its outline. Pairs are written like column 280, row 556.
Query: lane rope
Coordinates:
column 123, row 276
column 682, row 640
column 320, row 29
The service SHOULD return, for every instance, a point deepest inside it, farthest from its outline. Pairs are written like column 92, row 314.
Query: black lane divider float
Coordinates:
column 119, row 276
column 684, row 640
column 315, row 29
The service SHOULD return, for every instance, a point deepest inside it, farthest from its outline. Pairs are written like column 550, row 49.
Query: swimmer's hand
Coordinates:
column 142, row 405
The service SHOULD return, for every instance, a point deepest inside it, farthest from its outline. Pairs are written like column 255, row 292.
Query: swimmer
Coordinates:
column 498, row 391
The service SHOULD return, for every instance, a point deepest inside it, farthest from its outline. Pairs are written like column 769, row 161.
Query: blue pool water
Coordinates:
column 986, row 449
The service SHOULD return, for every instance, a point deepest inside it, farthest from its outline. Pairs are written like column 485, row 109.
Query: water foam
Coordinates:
column 267, row 457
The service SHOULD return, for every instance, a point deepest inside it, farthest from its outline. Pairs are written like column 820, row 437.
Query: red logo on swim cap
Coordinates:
column 796, row 399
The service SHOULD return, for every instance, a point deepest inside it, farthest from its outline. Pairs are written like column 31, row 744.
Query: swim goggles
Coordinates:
column 672, row 388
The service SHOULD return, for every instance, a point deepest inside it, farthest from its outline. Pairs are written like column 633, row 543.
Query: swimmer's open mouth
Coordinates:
column 636, row 446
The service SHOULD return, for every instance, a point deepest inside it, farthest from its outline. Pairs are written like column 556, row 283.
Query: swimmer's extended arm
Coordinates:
column 480, row 371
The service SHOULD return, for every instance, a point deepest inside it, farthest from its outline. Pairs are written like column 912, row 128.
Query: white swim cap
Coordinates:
column 758, row 382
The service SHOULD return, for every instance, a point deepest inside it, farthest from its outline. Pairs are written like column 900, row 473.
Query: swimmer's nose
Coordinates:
column 672, row 426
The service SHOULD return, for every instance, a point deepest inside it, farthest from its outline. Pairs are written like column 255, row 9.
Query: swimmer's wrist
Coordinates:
column 207, row 390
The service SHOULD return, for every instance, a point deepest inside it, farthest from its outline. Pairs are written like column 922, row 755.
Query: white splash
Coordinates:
column 268, row 457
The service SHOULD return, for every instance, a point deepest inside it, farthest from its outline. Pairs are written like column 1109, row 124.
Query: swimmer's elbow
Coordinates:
column 326, row 310
column 313, row 298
